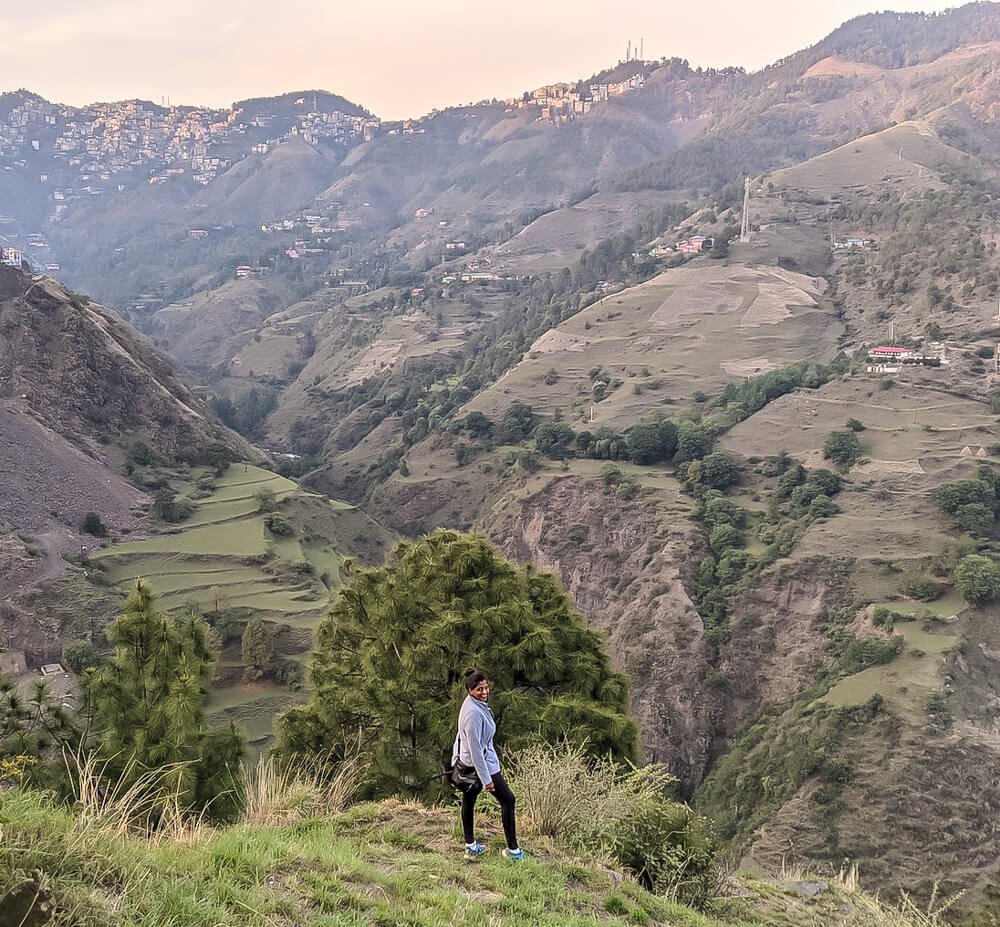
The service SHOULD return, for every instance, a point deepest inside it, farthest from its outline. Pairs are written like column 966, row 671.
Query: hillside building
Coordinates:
column 12, row 257
column 890, row 353
column 694, row 244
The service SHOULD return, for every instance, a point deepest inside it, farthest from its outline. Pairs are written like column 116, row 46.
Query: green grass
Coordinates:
column 376, row 864
column 906, row 682
column 243, row 538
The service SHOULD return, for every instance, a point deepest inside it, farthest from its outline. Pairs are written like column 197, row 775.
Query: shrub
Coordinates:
column 693, row 442
column 842, row 447
column 627, row 489
column 80, row 655
column 621, row 812
column 666, row 845
column 645, row 445
column 553, row 439
column 823, row 507
column 977, row 578
column 721, row 511
column 723, row 538
column 92, row 524
column 853, row 424
column 611, row 474
column 926, row 590
column 277, row 525
column 266, row 500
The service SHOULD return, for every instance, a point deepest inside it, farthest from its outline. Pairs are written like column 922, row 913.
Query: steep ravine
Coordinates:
column 622, row 563
column 625, row 565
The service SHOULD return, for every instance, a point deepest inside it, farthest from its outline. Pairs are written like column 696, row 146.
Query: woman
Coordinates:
column 474, row 748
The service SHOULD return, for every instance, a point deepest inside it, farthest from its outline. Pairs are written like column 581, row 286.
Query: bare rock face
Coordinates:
column 622, row 563
column 777, row 642
column 27, row 904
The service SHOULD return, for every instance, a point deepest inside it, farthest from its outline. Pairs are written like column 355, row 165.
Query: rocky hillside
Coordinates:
column 77, row 368
column 77, row 387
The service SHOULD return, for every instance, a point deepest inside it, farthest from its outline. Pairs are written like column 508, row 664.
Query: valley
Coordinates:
column 760, row 465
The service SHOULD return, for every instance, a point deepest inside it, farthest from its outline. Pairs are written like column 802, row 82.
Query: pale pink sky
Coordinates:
column 398, row 58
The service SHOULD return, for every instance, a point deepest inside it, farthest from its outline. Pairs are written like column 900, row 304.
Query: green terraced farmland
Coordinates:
column 222, row 557
column 243, row 538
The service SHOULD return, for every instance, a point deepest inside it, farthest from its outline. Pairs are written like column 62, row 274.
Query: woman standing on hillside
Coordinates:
column 474, row 750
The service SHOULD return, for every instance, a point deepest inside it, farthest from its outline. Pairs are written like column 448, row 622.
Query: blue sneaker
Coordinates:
column 474, row 850
column 514, row 855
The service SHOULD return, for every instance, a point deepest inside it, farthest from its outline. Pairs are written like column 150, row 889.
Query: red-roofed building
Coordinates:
column 890, row 353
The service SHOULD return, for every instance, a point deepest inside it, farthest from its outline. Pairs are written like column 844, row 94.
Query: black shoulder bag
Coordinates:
column 460, row 776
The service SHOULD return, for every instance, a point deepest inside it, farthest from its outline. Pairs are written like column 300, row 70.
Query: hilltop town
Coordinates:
column 107, row 146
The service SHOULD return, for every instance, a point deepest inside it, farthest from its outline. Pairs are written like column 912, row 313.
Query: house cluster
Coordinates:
column 890, row 359
column 560, row 103
column 246, row 272
column 322, row 222
column 99, row 148
column 693, row 245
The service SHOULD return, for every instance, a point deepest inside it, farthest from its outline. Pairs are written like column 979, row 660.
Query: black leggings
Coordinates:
column 503, row 794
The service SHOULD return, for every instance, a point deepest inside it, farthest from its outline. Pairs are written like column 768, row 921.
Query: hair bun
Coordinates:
column 469, row 670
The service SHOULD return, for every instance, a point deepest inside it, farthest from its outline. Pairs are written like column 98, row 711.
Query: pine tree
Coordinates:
column 391, row 652
column 36, row 728
column 258, row 648
column 148, row 702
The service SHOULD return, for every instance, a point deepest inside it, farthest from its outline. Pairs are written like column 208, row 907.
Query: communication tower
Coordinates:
column 745, row 227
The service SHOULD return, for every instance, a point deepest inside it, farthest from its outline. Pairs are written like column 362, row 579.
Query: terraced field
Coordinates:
column 223, row 557
column 697, row 327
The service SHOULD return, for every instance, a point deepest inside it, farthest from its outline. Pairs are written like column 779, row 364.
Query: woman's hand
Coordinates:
column 490, row 787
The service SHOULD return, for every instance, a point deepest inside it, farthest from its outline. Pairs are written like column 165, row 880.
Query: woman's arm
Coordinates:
column 471, row 731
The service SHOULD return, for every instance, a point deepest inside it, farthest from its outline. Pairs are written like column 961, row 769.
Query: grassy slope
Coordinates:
column 213, row 558
column 376, row 864
column 700, row 326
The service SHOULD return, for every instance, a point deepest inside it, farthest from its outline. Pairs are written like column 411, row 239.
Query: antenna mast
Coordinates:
column 745, row 227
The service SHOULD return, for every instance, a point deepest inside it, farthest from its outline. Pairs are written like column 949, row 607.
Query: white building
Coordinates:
column 11, row 257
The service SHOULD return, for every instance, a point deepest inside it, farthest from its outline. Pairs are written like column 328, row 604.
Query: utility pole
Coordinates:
column 892, row 332
column 745, row 227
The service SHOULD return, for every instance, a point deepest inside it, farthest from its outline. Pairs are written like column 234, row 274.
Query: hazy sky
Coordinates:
column 396, row 57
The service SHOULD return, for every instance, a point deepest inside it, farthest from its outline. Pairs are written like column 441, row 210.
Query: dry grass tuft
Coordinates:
column 150, row 807
column 278, row 790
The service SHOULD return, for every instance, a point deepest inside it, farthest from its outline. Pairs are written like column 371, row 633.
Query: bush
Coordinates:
column 611, row 474
column 621, row 812
column 553, row 439
column 277, row 525
column 266, row 500
column 627, row 489
column 842, row 447
column 926, row 590
column 721, row 511
column 92, row 524
column 80, row 655
column 666, row 845
column 977, row 579
column 723, row 538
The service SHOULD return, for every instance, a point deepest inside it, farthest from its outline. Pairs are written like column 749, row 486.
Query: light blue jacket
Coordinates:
column 474, row 743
